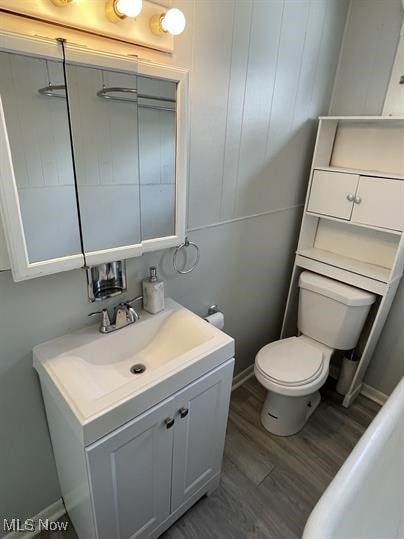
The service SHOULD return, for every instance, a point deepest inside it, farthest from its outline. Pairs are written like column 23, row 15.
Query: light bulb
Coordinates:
column 173, row 22
column 129, row 8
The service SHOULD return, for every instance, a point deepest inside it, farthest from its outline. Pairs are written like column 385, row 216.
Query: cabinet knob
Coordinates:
column 183, row 412
column 350, row 197
column 169, row 422
column 357, row 200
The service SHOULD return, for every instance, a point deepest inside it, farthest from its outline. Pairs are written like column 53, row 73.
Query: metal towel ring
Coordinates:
column 186, row 243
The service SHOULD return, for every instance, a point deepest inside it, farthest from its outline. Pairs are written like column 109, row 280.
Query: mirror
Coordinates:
column 105, row 141
column 157, row 150
column 34, row 105
column 96, row 166
column 124, row 138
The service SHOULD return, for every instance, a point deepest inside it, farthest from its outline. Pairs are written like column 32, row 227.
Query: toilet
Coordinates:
column 331, row 316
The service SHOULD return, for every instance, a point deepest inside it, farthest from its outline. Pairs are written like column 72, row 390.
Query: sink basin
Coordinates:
column 96, row 374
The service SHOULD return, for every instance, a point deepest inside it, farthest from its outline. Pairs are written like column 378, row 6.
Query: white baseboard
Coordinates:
column 367, row 391
column 53, row 512
column 242, row 377
column 373, row 394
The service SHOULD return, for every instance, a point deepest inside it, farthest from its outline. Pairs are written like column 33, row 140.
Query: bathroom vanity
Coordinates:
column 135, row 451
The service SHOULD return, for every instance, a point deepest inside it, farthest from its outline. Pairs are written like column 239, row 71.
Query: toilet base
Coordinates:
column 284, row 416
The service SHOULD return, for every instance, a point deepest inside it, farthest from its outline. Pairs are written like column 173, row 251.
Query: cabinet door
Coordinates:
column 379, row 202
column 200, row 428
column 330, row 193
column 130, row 475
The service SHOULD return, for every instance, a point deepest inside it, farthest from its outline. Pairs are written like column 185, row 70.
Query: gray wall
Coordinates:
column 262, row 70
column 367, row 56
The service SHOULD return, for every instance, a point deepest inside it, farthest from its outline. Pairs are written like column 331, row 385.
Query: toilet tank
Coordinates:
column 331, row 312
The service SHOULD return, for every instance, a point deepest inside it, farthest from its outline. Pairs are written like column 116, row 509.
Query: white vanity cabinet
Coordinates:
column 147, row 470
column 134, row 451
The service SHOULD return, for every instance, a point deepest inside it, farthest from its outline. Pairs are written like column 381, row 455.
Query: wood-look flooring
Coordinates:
column 270, row 484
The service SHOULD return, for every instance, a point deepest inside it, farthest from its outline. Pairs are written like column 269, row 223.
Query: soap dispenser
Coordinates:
column 153, row 293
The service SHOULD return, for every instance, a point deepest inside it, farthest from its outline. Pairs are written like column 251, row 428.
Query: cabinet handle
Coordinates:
column 183, row 412
column 350, row 197
column 169, row 422
column 357, row 200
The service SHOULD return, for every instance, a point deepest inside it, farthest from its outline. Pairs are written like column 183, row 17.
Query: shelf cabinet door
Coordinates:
column 199, row 435
column 130, row 475
column 329, row 193
column 380, row 203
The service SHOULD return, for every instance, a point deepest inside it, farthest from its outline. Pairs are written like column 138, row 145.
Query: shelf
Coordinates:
column 379, row 273
column 351, row 223
column 363, row 172
column 363, row 118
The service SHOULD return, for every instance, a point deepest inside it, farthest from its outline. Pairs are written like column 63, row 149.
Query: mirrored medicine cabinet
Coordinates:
column 93, row 156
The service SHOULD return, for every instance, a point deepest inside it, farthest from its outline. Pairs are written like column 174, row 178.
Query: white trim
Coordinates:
column 181, row 77
column 373, row 394
column 155, row 244
column 78, row 55
column 30, row 45
column 367, row 391
column 245, row 217
column 363, row 118
column 242, row 377
column 123, row 252
column 53, row 512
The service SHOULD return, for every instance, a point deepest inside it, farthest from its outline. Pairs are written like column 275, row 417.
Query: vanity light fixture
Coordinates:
column 172, row 22
column 116, row 10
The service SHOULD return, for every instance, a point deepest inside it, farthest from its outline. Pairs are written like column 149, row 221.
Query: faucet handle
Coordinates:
column 105, row 322
column 133, row 300
column 133, row 315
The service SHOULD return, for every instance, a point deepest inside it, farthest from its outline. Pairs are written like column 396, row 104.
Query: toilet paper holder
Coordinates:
column 215, row 317
column 213, row 309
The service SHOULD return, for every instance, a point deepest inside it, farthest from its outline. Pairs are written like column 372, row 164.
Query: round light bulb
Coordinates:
column 173, row 22
column 129, row 8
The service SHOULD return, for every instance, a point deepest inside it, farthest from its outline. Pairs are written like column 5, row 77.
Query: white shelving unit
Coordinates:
column 352, row 227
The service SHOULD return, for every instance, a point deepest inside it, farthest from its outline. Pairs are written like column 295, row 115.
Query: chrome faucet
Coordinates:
column 124, row 315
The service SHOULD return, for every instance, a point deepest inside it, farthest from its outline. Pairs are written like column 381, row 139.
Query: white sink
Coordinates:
column 91, row 372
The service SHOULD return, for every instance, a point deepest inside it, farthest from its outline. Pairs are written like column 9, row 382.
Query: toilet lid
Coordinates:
column 290, row 361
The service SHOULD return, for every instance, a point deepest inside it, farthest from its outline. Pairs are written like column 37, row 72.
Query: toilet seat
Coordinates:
column 290, row 362
column 293, row 366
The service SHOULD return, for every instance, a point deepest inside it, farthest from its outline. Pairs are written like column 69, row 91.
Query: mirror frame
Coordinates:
column 9, row 202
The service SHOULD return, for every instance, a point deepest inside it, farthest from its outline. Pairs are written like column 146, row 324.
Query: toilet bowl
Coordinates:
column 330, row 315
